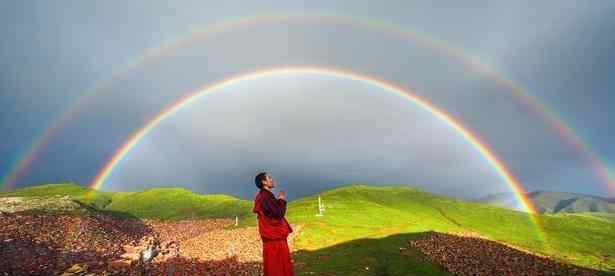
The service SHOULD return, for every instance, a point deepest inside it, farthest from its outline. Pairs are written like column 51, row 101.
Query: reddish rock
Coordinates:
column 473, row 255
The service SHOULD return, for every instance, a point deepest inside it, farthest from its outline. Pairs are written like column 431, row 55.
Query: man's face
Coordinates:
column 268, row 183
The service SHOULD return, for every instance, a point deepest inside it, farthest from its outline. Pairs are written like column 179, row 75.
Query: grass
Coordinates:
column 177, row 203
column 82, row 194
column 165, row 203
column 364, row 212
column 366, row 256
column 364, row 226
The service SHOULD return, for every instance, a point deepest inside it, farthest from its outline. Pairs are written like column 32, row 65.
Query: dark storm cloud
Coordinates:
column 558, row 50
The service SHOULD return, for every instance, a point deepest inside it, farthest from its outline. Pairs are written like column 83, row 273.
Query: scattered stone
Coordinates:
column 54, row 203
column 475, row 255
column 76, row 270
column 97, row 244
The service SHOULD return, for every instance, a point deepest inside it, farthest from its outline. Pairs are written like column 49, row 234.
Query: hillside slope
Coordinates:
column 154, row 203
column 361, row 211
column 82, row 194
column 178, row 203
column 555, row 202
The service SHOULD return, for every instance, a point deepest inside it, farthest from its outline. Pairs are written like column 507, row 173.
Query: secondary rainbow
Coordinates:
column 472, row 139
column 553, row 120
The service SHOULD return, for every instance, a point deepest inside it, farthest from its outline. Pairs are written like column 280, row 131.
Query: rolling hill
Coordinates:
column 178, row 203
column 82, row 194
column 556, row 202
column 384, row 218
column 361, row 211
column 169, row 203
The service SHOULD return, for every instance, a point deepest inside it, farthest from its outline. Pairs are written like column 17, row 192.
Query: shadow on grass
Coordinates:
column 91, row 208
column 83, row 210
column 380, row 256
column 429, row 253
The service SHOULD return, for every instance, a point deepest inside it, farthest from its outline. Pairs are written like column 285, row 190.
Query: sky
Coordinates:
column 312, row 132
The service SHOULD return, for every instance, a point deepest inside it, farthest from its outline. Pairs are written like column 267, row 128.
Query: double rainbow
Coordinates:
column 567, row 134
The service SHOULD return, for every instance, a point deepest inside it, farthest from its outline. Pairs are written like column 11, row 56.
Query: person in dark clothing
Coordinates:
column 272, row 227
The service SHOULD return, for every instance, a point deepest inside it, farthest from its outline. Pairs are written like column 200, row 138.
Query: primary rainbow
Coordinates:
column 468, row 136
column 552, row 119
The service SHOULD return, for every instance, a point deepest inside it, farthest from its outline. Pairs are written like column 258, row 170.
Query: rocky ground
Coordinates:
column 100, row 244
column 55, row 203
column 473, row 255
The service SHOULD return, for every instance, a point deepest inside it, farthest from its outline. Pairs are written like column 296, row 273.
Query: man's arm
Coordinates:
column 274, row 208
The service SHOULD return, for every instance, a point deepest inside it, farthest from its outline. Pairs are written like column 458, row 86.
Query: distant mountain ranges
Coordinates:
column 555, row 202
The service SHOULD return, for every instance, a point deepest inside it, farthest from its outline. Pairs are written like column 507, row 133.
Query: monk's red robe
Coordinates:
column 273, row 229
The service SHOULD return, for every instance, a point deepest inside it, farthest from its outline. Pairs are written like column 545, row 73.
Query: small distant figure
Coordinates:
column 272, row 227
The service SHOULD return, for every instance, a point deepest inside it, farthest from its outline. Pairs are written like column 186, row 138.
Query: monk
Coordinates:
column 272, row 227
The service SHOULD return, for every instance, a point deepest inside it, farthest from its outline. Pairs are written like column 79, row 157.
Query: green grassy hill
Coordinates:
column 360, row 211
column 155, row 203
column 178, row 203
column 364, row 226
